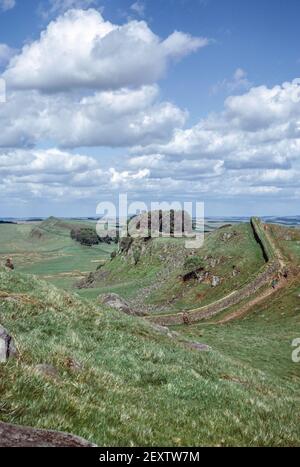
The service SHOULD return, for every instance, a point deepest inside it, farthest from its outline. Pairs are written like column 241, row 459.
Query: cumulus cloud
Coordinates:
column 111, row 118
column 81, row 85
column 260, row 128
column 251, row 149
column 161, row 166
column 52, row 173
column 82, row 50
column 6, row 5
column 224, row 155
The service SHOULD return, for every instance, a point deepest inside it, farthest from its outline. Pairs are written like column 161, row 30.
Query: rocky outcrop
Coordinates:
column 19, row 436
column 7, row 346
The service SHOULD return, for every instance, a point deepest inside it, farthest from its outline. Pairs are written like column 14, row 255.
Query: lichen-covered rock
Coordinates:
column 19, row 436
column 7, row 346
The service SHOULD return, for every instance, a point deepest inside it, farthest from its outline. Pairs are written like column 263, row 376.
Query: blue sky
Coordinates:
column 209, row 116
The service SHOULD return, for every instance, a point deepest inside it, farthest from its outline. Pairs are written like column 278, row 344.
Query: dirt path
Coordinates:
column 248, row 306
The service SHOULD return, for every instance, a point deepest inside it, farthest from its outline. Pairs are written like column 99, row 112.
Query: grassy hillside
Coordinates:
column 155, row 283
column 137, row 386
column 46, row 249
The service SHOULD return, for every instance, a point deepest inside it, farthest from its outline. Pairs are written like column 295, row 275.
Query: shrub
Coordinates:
column 193, row 262
column 85, row 236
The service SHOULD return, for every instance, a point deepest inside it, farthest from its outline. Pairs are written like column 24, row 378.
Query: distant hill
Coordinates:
column 56, row 226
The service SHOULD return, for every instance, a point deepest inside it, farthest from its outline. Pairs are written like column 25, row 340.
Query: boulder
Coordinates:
column 115, row 301
column 20, row 436
column 7, row 346
column 215, row 281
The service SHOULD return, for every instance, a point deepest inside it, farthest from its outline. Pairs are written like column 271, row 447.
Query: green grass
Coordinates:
column 138, row 387
column 261, row 339
column 55, row 255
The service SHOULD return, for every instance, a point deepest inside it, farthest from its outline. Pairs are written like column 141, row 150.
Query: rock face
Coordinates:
column 7, row 346
column 19, row 436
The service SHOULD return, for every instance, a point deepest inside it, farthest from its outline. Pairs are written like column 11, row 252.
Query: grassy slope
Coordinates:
column 163, row 264
column 263, row 338
column 54, row 256
column 137, row 387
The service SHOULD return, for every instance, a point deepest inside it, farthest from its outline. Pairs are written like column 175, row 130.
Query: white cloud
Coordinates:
column 250, row 149
column 53, row 174
column 110, row 118
column 258, row 129
column 161, row 166
column 238, row 82
column 139, row 8
column 222, row 156
column 6, row 5
column 82, row 50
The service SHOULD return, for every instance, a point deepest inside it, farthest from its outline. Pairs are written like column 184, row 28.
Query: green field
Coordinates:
column 55, row 256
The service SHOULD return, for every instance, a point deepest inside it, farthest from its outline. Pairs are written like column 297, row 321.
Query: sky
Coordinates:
column 166, row 100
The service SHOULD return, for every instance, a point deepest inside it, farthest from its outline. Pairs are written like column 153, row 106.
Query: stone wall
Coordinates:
column 233, row 299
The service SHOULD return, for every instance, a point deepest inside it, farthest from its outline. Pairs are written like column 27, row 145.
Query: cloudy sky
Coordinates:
column 163, row 99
